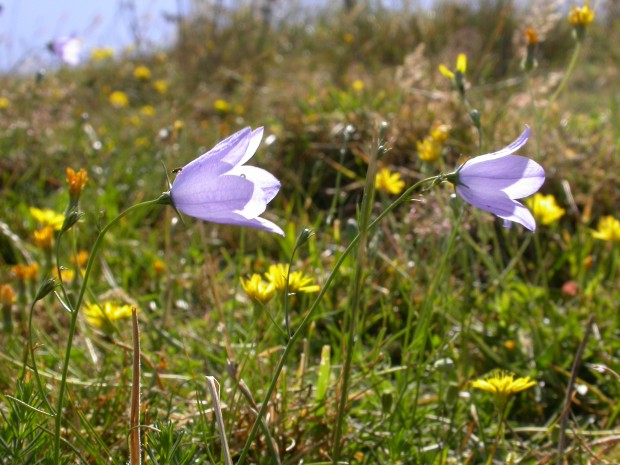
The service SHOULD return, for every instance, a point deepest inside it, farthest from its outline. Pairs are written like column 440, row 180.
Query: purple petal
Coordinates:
column 236, row 219
column 233, row 148
column 212, row 196
column 266, row 183
column 508, row 150
column 255, row 139
column 499, row 204
column 211, row 164
column 67, row 49
column 514, row 175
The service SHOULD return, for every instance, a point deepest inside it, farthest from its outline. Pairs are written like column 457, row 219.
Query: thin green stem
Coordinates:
column 352, row 316
column 73, row 321
column 308, row 318
column 499, row 433
column 567, row 74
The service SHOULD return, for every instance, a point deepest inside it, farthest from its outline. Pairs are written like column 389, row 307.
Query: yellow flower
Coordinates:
column 159, row 267
column 76, row 181
column 222, row 105
column 461, row 67
column 178, row 125
column 608, row 229
column 348, row 38
column 581, row 16
column 531, row 37
column 80, row 259
column 25, row 272
column 4, row 103
column 147, row 110
column 119, row 99
column 428, row 149
column 43, row 237
column 297, row 282
column 47, row 217
column 142, row 142
column 104, row 317
column 257, row 289
column 389, row 182
column 7, row 296
column 134, row 120
column 142, row 73
column 160, row 86
column 358, row 85
column 101, row 54
column 502, row 385
column 65, row 274
column 545, row 208
column 439, row 132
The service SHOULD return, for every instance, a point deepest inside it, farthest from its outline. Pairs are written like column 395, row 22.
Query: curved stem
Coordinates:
column 74, row 315
column 308, row 318
column 567, row 74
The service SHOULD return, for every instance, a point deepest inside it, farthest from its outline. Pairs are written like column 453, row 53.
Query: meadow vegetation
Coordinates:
column 450, row 338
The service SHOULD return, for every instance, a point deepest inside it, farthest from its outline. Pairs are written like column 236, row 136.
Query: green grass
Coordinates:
column 440, row 294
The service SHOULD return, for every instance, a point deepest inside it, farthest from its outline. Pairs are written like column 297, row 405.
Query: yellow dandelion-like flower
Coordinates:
column 439, row 132
column 608, row 229
column 581, row 16
column 222, row 105
column 297, row 282
column 142, row 73
column 531, row 36
column 502, row 385
column 25, row 272
column 101, row 54
column 76, row 181
column 428, row 149
column 7, row 296
column 118, row 99
column 65, row 274
column 257, row 289
column 461, row 67
column 389, row 182
column 348, row 38
column 4, row 103
column 104, row 317
column 47, row 217
column 147, row 110
column 80, row 259
column 43, row 237
column 178, row 125
column 159, row 267
column 358, row 85
column 545, row 208
column 160, row 86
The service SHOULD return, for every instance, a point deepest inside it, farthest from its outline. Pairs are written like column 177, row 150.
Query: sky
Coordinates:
column 26, row 26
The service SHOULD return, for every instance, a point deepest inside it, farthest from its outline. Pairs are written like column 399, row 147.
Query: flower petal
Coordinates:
column 443, row 69
column 500, row 205
column 508, row 150
column 255, row 139
column 266, row 188
column 515, row 175
column 236, row 219
column 219, row 160
column 212, row 197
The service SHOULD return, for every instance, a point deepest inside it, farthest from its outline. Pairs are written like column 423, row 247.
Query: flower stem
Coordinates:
column 567, row 74
column 498, row 433
column 351, row 317
column 308, row 318
column 73, row 321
